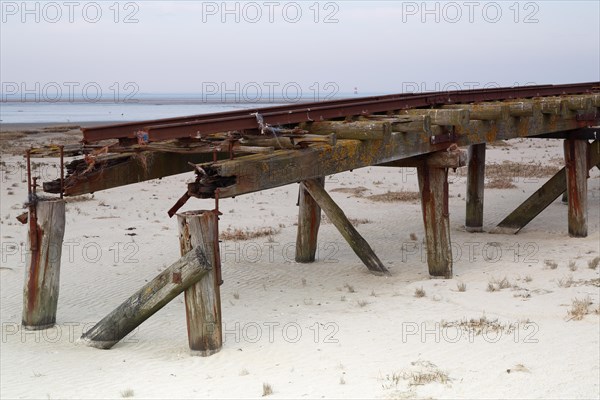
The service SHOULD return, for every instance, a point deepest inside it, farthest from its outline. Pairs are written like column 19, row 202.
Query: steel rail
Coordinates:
column 193, row 126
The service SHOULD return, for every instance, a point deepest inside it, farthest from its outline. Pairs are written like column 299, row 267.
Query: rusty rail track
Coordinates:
column 197, row 125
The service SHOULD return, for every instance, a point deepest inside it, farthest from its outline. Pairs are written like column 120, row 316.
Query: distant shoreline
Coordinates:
column 14, row 126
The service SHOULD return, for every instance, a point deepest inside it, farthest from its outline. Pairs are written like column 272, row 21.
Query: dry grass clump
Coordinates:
column 238, row 234
column 495, row 285
column 477, row 326
column 127, row 393
column 350, row 288
column 511, row 169
column 391, row 197
column 362, row 303
column 566, row 281
column 420, row 292
column 593, row 264
column 551, row 264
column 267, row 389
column 579, row 308
column 421, row 373
column 572, row 266
column 354, row 191
column 461, row 286
column 500, row 183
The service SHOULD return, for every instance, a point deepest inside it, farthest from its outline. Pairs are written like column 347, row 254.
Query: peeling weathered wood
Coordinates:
column 543, row 197
column 357, row 130
column 340, row 221
column 443, row 116
column 202, row 299
column 475, row 187
column 550, row 105
column 525, row 108
column 483, row 111
column 309, row 220
column 412, row 123
column 576, row 159
column 42, row 266
column 153, row 296
column 578, row 103
column 433, row 185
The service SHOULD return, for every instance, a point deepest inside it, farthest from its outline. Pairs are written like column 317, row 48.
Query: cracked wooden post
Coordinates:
column 202, row 299
column 576, row 156
column 433, row 185
column 340, row 221
column 42, row 269
column 309, row 220
column 475, row 185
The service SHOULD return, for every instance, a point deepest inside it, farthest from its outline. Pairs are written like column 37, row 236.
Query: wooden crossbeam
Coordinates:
column 543, row 197
column 153, row 296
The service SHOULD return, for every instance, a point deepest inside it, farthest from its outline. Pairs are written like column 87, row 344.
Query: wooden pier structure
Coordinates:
column 245, row 151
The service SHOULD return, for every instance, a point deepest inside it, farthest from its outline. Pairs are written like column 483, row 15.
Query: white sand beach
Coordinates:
column 329, row 329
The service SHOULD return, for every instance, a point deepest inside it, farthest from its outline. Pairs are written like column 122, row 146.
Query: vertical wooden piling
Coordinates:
column 202, row 299
column 309, row 220
column 576, row 154
column 433, row 185
column 475, row 185
column 42, row 269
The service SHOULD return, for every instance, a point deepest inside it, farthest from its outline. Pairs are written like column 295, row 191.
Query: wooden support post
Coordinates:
column 309, row 220
column 475, row 184
column 433, row 185
column 340, row 221
column 543, row 197
column 153, row 296
column 202, row 299
column 44, row 242
column 576, row 159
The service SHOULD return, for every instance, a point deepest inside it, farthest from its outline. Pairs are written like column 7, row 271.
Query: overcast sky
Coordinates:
column 374, row 46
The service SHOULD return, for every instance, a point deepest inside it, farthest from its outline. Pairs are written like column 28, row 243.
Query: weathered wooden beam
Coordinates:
column 543, row 197
column 257, row 172
column 433, row 185
column 124, row 169
column 452, row 158
column 309, row 220
column 340, row 221
column 475, row 186
column 576, row 158
column 202, row 299
column 153, row 296
column 44, row 242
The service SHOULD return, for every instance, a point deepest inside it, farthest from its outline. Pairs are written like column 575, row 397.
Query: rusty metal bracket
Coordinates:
column 448, row 136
